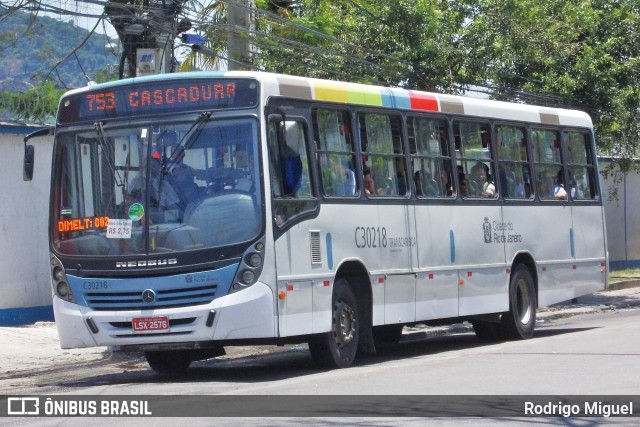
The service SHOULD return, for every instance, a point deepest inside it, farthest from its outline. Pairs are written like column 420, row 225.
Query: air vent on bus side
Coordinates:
column 316, row 255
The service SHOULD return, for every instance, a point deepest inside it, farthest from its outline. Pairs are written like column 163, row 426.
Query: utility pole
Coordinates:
column 147, row 30
column 238, row 36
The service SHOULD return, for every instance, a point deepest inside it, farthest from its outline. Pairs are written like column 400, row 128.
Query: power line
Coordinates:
column 73, row 52
column 267, row 40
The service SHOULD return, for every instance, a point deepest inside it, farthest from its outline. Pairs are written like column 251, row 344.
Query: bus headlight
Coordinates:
column 63, row 289
column 254, row 260
column 250, row 267
column 58, row 273
column 59, row 281
column 248, row 277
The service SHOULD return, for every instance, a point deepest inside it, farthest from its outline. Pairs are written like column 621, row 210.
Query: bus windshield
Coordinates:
column 146, row 188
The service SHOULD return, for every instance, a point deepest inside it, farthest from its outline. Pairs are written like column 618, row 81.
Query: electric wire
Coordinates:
column 339, row 49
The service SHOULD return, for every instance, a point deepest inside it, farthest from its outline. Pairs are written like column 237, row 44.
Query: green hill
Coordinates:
column 32, row 46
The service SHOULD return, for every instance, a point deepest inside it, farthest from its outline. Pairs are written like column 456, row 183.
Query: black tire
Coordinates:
column 520, row 321
column 169, row 362
column 387, row 335
column 487, row 331
column 337, row 348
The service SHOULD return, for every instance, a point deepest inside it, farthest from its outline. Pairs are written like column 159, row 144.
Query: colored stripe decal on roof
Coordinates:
column 328, row 91
column 355, row 94
column 548, row 116
column 366, row 95
column 399, row 99
column 423, row 101
column 295, row 88
column 451, row 104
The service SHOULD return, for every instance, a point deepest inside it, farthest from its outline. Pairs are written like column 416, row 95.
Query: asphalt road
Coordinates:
column 587, row 347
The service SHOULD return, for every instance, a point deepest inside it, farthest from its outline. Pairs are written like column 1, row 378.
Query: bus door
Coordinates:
column 296, row 246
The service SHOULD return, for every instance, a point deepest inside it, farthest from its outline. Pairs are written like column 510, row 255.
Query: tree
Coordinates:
column 578, row 54
column 575, row 54
column 409, row 43
column 36, row 105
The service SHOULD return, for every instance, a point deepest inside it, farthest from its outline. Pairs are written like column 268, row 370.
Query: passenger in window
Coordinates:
column 291, row 164
column 445, row 181
column 464, row 187
column 425, row 184
column 182, row 178
column 244, row 160
column 559, row 192
column 462, row 181
column 519, row 188
column 480, row 174
column 401, row 182
column 545, row 183
column 418, row 182
column 338, row 180
column 369, row 184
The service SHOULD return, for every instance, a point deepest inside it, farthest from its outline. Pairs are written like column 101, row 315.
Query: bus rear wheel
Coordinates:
column 519, row 322
column 337, row 348
column 169, row 362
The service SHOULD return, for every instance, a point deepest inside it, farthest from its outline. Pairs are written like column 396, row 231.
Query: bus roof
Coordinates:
column 378, row 96
column 327, row 90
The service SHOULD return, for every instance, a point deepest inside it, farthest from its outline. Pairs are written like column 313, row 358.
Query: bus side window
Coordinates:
column 430, row 157
column 289, row 170
column 382, row 150
column 475, row 163
column 547, row 162
column 582, row 172
column 513, row 173
column 336, row 152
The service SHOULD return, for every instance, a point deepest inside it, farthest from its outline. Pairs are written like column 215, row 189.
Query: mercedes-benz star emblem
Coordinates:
column 148, row 296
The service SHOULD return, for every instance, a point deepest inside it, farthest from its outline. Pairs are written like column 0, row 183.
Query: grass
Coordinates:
column 624, row 274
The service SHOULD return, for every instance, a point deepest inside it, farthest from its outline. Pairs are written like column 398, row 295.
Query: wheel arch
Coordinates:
column 359, row 279
column 526, row 259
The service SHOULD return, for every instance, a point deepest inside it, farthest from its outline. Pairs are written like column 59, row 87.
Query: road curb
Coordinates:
column 624, row 284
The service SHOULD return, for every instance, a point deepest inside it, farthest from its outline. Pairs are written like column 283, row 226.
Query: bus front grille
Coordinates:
column 164, row 298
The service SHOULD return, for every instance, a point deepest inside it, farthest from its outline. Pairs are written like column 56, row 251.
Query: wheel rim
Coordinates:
column 523, row 307
column 344, row 328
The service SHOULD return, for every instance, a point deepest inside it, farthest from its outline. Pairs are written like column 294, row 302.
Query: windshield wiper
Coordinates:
column 186, row 141
column 109, row 153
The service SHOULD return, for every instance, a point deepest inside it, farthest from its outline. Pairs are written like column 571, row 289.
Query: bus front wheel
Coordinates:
column 519, row 322
column 337, row 348
column 169, row 362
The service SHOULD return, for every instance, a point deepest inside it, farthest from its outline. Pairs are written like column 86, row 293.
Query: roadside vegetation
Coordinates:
column 624, row 274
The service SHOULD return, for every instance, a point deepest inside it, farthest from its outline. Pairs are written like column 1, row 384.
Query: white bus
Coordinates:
column 195, row 211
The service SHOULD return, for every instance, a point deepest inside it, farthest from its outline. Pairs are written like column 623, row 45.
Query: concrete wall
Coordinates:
column 622, row 217
column 25, row 290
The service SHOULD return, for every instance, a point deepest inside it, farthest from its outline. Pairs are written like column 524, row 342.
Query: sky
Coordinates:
column 81, row 13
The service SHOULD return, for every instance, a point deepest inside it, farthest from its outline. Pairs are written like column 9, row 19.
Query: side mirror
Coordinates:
column 29, row 152
column 29, row 157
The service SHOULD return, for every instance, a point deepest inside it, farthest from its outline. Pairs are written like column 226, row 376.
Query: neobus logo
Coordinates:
column 147, row 263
